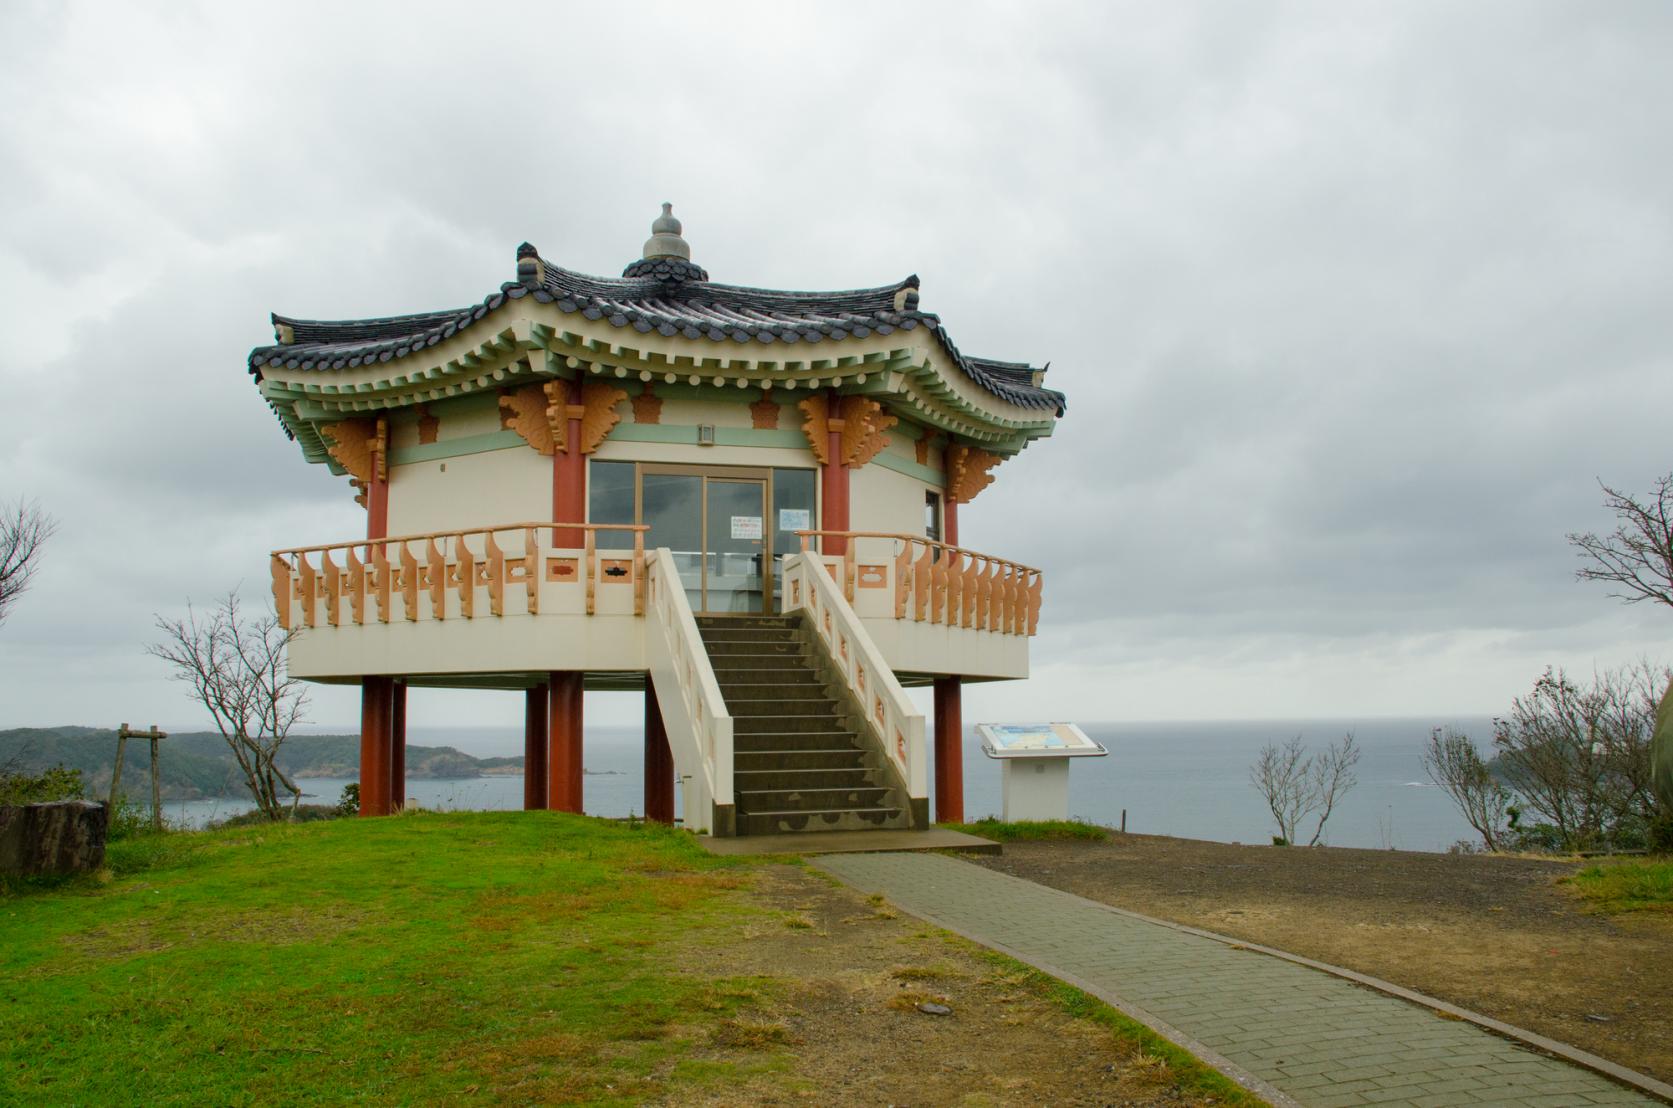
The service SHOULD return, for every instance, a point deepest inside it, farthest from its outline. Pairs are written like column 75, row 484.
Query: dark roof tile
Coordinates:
column 668, row 295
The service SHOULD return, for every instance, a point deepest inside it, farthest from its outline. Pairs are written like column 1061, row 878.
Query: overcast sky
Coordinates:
column 1354, row 304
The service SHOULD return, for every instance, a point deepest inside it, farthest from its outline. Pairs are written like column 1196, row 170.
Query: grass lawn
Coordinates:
column 1032, row 831
column 517, row 957
column 415, row 959
column 1627, row 886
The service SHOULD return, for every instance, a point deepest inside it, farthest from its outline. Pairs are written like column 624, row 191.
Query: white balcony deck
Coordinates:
column 493, row 605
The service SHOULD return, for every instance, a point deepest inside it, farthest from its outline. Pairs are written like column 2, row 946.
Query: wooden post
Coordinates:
column 949, row 519
column 156, row 786
column 659, row 761
column 563, row 759
column 116, row 779
column 535, row 711
column 123, row 734
column 949, row 750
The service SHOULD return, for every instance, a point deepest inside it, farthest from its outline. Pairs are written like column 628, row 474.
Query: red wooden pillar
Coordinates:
column 374, row 745
column 397, row 745
column 949, row 751
column 949, row 521
column 377, row 508
column 534, row 748
column 833, row 483
column 569, row 473
column 659, row 762
column 563, row 765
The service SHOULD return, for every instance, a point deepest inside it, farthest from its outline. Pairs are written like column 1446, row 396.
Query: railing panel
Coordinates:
column 933, row 582
column 896, row 726
column 462, row 574
column 694, row 713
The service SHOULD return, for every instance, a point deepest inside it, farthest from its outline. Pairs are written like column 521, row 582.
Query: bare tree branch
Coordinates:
column 1637, row 557
column 235, row 667
column 24, row 531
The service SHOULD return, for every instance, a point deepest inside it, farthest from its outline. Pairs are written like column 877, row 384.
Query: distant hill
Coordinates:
column 198, row 764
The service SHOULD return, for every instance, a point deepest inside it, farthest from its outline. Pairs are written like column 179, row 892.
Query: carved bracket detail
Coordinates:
column 764, row 414
column 360, row 446
column 816, row 410
column 967, row 472
column 598, row 413
column 535, row 415
column 647, row 406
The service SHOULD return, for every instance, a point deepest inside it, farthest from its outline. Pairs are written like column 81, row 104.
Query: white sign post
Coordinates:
column 1034, row 765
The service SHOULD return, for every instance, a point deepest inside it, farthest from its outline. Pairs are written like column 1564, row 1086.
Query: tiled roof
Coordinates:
column 666, row 295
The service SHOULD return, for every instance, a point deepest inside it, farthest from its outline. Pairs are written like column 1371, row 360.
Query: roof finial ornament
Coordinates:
column 665, row 240
column 667, row 257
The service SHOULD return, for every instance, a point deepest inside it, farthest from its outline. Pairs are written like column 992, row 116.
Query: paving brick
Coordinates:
column 1323, row 1040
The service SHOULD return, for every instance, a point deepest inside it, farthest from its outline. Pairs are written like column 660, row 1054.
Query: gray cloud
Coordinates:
column 1353, row 304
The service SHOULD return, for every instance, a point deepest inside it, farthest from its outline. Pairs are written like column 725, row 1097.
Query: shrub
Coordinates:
column 56, row 783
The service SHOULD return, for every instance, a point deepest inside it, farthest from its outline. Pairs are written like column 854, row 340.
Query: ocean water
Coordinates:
column 1189, row 779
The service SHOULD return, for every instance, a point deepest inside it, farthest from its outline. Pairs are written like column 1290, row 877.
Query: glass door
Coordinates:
column 734, row 544
column 673, row 507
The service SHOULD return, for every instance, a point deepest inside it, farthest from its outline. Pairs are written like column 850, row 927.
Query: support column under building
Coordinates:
column 375, row 705
column 535, row 710
column 659, row 762
column 564, row 765
column 397, row 745
column 949, row 750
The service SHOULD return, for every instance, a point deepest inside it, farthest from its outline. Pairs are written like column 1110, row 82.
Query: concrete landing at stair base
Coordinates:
column 851, row 842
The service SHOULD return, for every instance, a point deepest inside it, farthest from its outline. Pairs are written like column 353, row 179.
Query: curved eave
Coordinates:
column 916, row 378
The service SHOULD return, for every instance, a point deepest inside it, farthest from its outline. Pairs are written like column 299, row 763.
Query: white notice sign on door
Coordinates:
column 746, row 527
column 794, row 519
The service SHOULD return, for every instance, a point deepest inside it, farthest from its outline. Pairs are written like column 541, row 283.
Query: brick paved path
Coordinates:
column 1314, row 1038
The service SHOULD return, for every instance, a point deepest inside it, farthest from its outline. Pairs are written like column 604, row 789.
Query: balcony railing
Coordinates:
column 467, row 574
column 932, row 582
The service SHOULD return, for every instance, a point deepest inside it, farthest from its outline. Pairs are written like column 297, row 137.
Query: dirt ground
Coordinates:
column 854, row 1034
column 1497, row 935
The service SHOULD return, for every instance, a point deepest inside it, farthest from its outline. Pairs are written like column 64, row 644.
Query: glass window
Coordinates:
column 793, row 509
column 610, row 500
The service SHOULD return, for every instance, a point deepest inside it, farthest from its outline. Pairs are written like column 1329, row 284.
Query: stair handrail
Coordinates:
column 694, row 713
column 890, row 716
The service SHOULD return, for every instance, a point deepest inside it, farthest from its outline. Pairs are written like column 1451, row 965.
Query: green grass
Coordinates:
column 1032, row 831
column 1189, row 1075
column 1626, row 886
column 428, row 958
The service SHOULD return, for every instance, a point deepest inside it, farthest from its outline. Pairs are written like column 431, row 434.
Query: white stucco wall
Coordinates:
column 471, row 490
column 882, row 500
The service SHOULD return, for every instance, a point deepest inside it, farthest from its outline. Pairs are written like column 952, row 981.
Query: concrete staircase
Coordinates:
column 799, row 765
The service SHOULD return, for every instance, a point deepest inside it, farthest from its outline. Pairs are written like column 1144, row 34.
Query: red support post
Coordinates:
column 833, row 485
column 564, row 765
column 949, row 521
column 569, row 474
column 374, row 745
column 949, row 751
column 659, row 762
column 377, row 508
column 397, row 745
column 534, row 748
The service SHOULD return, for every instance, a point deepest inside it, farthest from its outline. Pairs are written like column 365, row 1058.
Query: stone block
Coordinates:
column 64, row 836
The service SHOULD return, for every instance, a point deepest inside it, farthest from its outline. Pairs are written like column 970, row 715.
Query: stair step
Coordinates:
column 787, row 744
column 777, row 779
column 794, row 761
column 754, row 648
column 813, row 800
column 837, row 819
